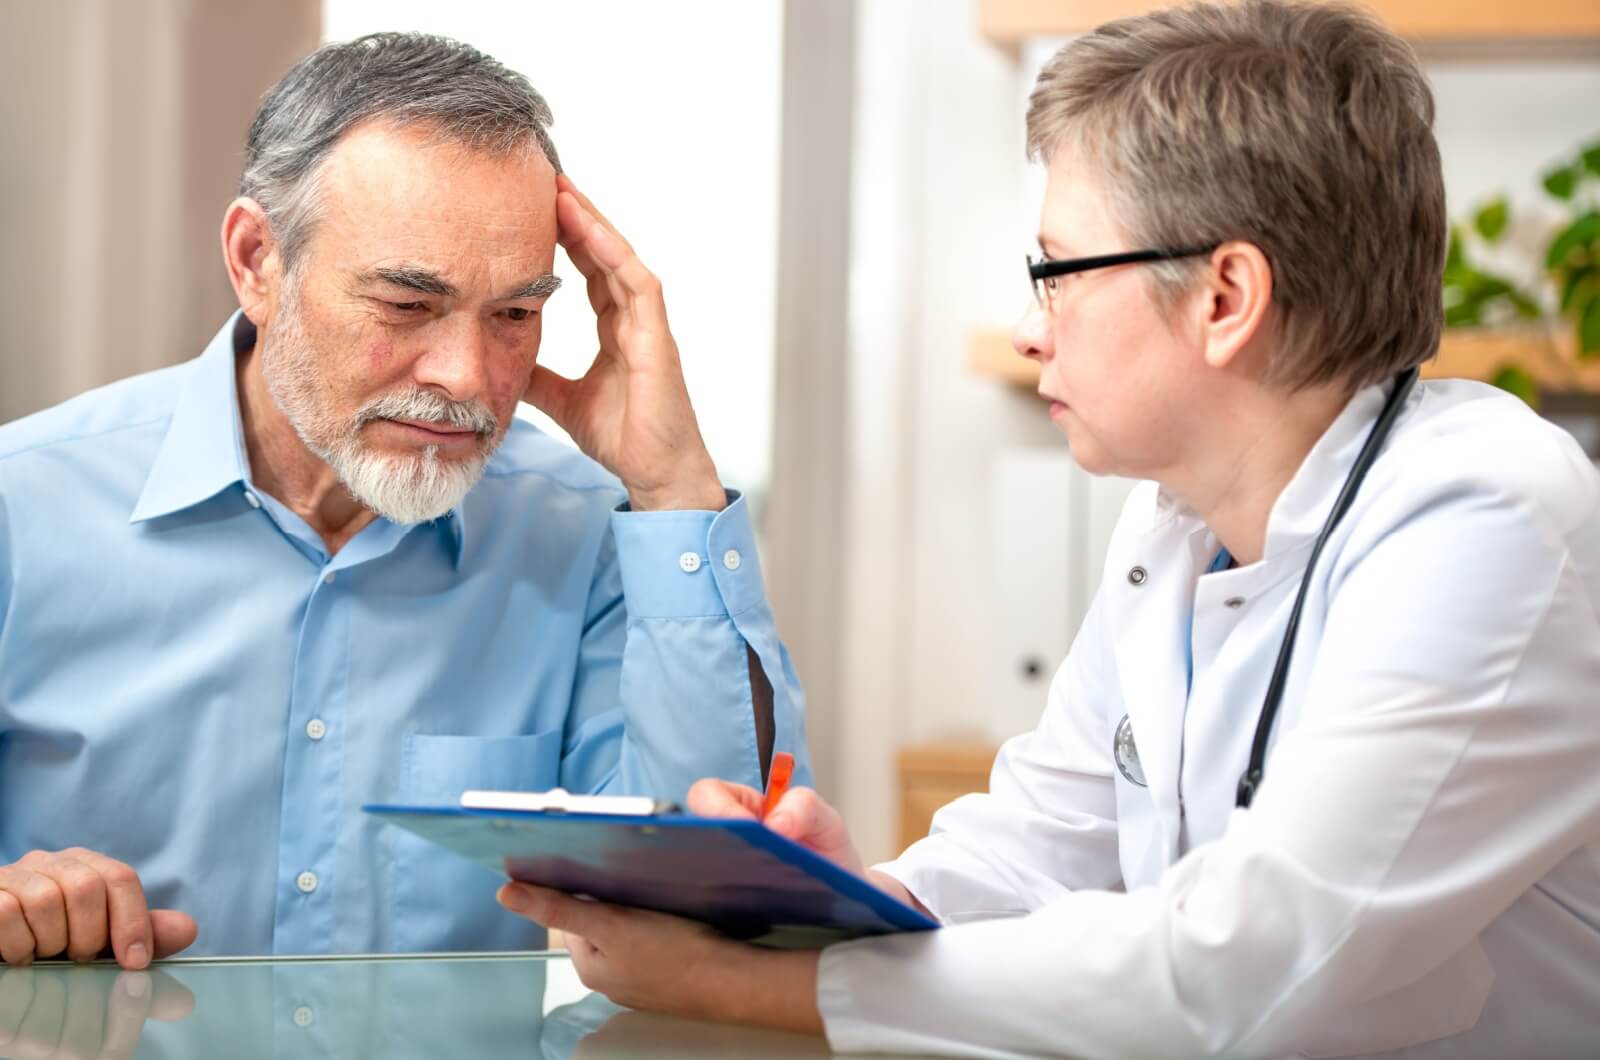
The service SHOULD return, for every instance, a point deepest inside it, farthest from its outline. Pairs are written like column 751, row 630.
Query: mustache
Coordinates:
column 429, row 407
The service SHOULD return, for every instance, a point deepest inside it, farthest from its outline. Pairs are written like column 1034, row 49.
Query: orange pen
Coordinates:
column 777, row 780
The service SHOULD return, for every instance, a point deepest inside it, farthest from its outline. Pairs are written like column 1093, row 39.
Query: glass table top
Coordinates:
column 450, row 1005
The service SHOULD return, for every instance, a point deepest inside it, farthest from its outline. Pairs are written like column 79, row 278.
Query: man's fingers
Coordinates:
column 172, row 931
column 564, row 184
column 170, row 1000
column 125, row 914
column 720, row 798
column 84, row 892
column 593, row 246
column 43, row 907
column 16, row 940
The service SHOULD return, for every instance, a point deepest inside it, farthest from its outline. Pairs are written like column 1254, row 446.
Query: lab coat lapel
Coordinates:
column 1149, row 582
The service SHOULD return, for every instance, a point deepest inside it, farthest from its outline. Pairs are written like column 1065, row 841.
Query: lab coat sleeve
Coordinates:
column 1443, row 763
column 1048, row 822
column 681, row 667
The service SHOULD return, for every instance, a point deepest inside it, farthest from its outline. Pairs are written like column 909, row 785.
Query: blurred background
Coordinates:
column 835, row 196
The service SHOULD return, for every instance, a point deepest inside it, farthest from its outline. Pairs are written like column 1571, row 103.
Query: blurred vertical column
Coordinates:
column 122, row 135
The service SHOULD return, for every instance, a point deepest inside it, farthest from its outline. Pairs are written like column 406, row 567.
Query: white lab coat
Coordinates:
column 1422, row 862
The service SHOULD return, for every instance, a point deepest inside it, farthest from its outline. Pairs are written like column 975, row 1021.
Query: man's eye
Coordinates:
column 1051, row 283
column 409, row 307
column 517, row 314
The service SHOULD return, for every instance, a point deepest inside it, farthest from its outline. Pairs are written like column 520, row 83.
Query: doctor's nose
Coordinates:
column 1033, row 336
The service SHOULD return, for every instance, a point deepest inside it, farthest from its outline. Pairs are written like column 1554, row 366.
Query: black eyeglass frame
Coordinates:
column 1050, row 268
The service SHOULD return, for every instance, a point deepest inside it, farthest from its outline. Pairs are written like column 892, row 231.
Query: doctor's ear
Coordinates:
column 1236, row 292
column 251, row 256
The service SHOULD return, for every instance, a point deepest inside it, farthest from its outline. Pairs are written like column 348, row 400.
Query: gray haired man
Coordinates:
column 321, row 564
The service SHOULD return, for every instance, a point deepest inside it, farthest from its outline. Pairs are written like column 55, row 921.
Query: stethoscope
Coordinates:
column 1251, row 780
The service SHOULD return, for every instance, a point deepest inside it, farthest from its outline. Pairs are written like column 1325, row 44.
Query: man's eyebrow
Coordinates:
column 412, row 278
column 543, row 287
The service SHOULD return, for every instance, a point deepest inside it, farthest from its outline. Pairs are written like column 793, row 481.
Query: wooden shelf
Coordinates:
column 1007, row 23
column 1463, row 354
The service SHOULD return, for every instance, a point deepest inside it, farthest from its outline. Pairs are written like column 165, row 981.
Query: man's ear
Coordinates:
column 1238, row 293
column 251, row 256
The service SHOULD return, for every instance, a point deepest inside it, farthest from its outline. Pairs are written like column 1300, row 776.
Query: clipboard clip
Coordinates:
column 559, row 800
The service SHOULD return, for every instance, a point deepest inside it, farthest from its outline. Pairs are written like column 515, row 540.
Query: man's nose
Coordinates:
column 456, row 359
column 1033, row 336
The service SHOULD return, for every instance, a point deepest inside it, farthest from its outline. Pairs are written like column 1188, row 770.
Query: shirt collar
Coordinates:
column 204, row 453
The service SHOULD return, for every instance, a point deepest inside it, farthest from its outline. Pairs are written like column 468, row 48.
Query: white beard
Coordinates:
column 402, row 489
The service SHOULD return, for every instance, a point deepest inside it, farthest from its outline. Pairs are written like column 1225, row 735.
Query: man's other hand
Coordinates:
column 77, row 902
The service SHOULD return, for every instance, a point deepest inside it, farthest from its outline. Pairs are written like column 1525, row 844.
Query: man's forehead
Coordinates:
column 382, row 168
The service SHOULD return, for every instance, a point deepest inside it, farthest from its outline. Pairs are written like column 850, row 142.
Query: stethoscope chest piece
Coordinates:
column 1126, row 752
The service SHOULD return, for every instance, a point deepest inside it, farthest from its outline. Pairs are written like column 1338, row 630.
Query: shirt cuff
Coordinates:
column 688, row 564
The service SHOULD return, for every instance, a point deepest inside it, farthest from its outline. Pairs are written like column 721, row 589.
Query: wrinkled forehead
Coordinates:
column 389, row 192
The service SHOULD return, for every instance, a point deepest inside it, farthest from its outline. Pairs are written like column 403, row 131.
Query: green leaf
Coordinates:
column 1527, row 308
column 1589, row 331
column 1491, row 220
column 1591, row 158
column 1516, row 380
column 1573, row 242
column 1561, row 182
column 1575, row 285
column 1463, row 315
column 1453, row 258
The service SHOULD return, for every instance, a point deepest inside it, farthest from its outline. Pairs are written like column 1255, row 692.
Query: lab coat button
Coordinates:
column 1138, row 576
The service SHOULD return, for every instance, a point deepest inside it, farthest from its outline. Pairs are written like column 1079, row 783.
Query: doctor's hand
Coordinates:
column 801, row 815
column 662, row 963
column 77, row 902
column 630, row 412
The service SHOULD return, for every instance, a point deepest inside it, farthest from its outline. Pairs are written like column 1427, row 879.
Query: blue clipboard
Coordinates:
column 736, row 875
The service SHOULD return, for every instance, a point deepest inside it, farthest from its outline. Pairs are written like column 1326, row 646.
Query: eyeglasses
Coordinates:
column 1044, row 273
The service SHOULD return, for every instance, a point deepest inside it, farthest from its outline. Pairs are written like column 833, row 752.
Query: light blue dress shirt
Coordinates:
column 189, row 683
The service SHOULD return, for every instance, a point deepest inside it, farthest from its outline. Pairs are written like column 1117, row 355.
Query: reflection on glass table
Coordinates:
column 468, row 1005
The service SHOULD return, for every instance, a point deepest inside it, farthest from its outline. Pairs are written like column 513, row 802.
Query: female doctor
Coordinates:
column 1321, row 773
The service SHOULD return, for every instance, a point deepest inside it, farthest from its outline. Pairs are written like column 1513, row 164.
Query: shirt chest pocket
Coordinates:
column 437, row 769
column 443, row 901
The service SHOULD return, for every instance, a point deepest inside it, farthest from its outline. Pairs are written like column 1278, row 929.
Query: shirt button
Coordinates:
column 1138, row 576
column 304, row 1017
column 306, row 881
column 1234, row 602
column 689, row 562
column 316, row 728
column 731, row 559
column 327, row 579
column 251, row 499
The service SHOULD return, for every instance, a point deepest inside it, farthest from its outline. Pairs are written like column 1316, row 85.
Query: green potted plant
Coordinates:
column 1568, row 294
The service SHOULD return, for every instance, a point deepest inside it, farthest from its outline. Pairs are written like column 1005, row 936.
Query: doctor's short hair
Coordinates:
column 1305, row 129
column 409, row 79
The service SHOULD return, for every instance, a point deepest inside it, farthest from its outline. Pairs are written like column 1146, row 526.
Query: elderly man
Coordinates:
column 321, row 564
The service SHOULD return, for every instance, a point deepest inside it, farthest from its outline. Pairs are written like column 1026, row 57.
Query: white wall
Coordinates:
column 666, row 115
